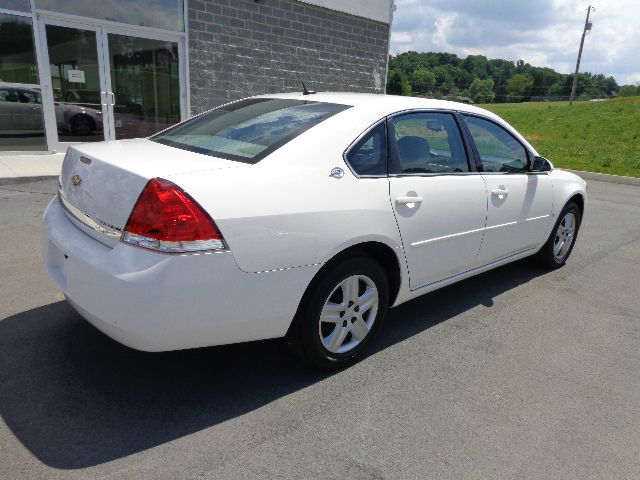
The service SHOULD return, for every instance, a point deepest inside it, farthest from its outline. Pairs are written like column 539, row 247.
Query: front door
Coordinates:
column 439, row 203
column 106, row 84
column 519, row 202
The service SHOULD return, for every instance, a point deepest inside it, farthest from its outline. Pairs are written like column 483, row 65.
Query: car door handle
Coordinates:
column 500, row 193
column 409, row 201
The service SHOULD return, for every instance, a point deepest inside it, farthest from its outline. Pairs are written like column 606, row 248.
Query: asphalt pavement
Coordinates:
column 517, row 373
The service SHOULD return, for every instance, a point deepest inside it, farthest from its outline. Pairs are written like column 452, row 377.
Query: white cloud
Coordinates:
column 544, row 33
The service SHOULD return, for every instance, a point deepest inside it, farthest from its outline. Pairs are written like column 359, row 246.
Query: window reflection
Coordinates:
column 75, row 78
column 17, row 56
column 21, row 120
column 165, row 14
column 145, row 82
column 17, row 5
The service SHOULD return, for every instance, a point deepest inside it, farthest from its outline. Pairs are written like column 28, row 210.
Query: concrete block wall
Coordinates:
column 239, row 48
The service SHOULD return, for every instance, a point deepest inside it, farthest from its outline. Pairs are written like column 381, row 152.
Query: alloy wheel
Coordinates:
column 565, row 234
column 348, row 314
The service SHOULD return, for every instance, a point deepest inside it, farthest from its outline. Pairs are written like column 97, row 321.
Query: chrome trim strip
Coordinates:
column 89, row 221
column 492, row 227
column 445, row 237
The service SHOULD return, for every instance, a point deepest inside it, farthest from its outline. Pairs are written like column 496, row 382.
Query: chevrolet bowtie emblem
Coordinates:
column 76, row 180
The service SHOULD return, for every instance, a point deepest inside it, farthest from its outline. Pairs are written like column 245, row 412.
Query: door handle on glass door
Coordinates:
column 410, row 202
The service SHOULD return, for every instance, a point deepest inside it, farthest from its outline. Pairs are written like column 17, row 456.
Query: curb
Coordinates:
column 19, row 180
column 605, row 177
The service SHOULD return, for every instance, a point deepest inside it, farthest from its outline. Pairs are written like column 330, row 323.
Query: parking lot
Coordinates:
column 517, row 373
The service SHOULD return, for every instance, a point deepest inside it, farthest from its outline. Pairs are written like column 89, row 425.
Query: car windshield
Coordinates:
column 248, row 130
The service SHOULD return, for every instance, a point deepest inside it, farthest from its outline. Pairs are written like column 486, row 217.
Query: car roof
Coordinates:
column 385, row 104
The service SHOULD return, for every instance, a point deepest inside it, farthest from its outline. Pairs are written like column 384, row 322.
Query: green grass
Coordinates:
column 592, row 136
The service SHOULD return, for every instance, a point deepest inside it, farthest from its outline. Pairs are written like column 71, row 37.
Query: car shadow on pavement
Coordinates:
column 76, row 398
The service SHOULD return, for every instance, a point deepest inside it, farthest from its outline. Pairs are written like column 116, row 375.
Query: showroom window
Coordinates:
column 164, row 14
column 21, row 118
column 16, row 5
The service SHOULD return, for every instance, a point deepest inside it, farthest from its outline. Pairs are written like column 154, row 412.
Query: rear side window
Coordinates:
column 427, row 142
column 369, row 155
column 248, row 130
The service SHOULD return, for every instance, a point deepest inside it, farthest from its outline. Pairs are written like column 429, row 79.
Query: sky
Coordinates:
column 544, row 33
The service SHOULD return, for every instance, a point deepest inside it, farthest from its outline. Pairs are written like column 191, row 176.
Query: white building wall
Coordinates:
column 379, row 10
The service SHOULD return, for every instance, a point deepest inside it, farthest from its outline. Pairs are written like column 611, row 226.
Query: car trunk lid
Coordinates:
column 104, row 180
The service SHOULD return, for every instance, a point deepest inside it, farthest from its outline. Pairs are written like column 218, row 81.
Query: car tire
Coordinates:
column 341, row 315
column 81, row 125
column 558, row 247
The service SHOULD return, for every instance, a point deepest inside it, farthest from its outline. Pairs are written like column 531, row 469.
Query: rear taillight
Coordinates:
column 167, row 219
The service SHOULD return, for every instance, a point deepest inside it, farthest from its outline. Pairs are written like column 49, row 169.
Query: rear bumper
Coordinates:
column 156, row 302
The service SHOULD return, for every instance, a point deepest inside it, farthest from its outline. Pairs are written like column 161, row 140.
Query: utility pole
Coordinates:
column 587, row 27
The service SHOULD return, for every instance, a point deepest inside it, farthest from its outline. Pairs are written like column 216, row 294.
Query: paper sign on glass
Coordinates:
column 76, row 76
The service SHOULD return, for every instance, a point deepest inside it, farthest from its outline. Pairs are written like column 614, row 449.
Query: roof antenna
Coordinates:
column 304, row 89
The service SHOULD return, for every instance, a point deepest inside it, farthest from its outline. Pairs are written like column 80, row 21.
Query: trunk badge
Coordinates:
column 85, row 160
column 76, row 180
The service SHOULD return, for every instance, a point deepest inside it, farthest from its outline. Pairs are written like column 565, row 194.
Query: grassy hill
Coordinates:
column 592, row 136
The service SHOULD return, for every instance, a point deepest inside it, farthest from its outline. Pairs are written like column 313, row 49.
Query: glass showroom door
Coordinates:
column 106, row 84
column 77, row 83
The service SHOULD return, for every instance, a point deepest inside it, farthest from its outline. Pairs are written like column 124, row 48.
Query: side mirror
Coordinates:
column 540, row 164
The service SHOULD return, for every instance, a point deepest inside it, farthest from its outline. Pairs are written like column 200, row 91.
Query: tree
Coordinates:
column 444, row 79
column 481, row 91
column 476, row 66
column 453, row 74
column 397, row 83
column 519, row 86
column 422, row 81
column 630, row 91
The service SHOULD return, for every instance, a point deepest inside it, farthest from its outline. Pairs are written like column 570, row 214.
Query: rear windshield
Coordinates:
column 248, row 130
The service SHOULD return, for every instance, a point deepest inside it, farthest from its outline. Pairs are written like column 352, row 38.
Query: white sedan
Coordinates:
column 304, row 216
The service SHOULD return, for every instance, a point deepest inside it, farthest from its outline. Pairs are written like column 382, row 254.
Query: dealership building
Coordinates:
column 90, row 70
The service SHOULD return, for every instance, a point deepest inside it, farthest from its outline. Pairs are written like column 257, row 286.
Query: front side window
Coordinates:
column 427, row 143
column 369, row 155
column 248, row 130
column 498, row 150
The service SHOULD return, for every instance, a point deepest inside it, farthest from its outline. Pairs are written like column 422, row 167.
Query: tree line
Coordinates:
column 488, row 80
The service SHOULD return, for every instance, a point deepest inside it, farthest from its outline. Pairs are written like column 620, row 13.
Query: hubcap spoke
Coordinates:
column 359, row 329
column 350, row 288
column 336, row 339
column 558, row 247
column 331, row 307
column 368, row 298
column 330, row 317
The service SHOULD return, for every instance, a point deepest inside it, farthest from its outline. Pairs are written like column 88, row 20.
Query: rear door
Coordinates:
column 439, row 201
column 519, row 202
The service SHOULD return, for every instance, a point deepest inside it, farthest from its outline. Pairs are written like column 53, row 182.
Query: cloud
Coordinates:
column 544, row 33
